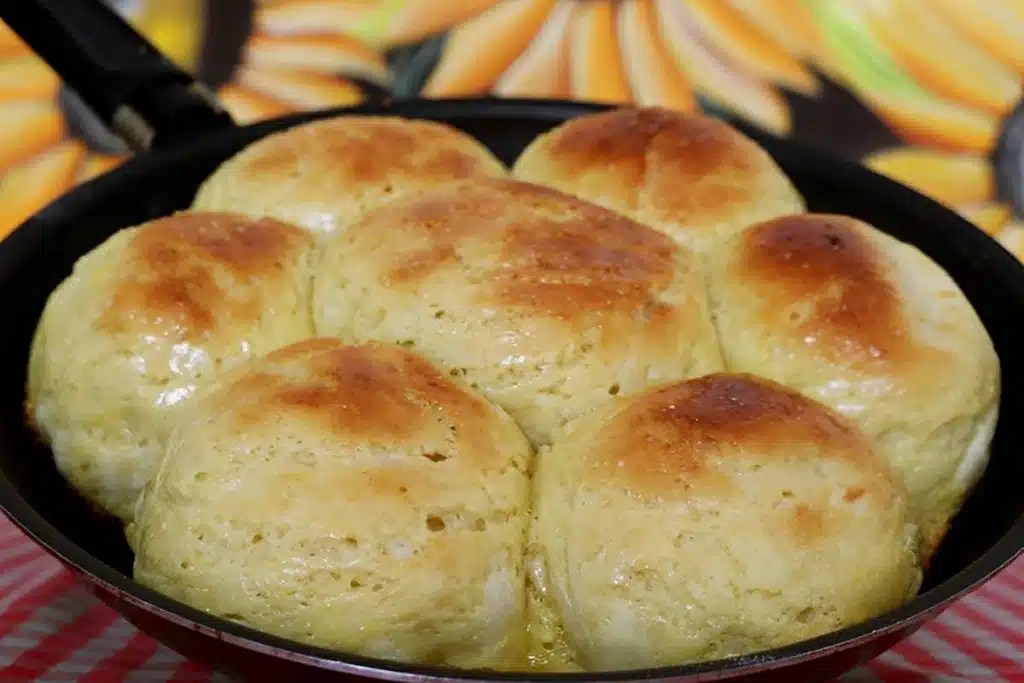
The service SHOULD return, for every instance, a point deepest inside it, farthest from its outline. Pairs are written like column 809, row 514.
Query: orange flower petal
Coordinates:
column 326, row 53
column 27, row 78
column 478, row 51
column 748, row 47
column 28, row 188
column 932, row 122
column 789, row 23
column 542, row 70
column 417, row 19
column 939, row 59
column 596, row 72
column 247, row 106
column 302, row 89
column 98, row 164
column 714, row 77
column 653, row 75
column 26, row 129
column 992, row 25
column 309, row 16
column 10, row 44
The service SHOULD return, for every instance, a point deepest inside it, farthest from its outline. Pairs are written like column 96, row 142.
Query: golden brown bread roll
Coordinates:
column 875, row 329
column 691, row 176
column 325, row 174
column 547, row 304
column 356, row 498
column 145, row 319
column 710, row 518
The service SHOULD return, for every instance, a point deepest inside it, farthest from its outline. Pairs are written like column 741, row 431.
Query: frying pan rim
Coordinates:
column 881, row 191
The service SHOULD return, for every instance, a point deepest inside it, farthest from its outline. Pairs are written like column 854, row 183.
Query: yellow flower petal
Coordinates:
column 951, row 178
column 991, row 218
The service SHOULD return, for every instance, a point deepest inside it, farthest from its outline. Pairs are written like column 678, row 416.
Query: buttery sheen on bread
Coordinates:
column 693, row 177
column 145, row 319
column 325, row 174
column 548, row 304
column 870, row 326
column 710, row 518
column 355, row 498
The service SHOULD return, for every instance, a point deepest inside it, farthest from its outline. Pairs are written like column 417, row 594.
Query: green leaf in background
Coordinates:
column 866, row 63
column 375, row 27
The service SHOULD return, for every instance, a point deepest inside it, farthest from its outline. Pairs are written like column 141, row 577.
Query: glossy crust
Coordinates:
column 325, row 174
column 694, row 178
column 746, row 517
column 548, row 304
column 146, row 319
column 356, row 498
column 869, row 325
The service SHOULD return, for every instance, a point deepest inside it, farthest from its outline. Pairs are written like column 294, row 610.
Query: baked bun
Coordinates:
column 870, row 326
column 354, row 498
column 144, row 320
column 547, row 304
column 711, row 518
column 325, row 174
column 693, row 177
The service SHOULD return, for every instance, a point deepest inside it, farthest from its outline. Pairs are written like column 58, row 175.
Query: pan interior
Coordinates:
column 37, row 257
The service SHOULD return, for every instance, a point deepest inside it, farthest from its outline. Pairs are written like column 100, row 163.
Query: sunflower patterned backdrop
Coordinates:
column 917, row 89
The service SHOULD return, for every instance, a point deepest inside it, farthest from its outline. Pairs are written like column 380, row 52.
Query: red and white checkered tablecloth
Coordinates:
column 52, row 631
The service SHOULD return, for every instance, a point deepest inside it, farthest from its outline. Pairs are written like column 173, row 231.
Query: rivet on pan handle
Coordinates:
column 143, row 96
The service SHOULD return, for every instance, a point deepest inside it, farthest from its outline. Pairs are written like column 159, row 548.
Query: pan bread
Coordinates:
column 870, row 326
column 325, row 174
column 754, row 423
column 549, row 305
column 693, row 177
column 356, row 498
column 145, row 320
column 712, row 518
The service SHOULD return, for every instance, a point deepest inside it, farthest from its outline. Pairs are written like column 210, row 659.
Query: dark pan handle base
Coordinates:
column 143, row 96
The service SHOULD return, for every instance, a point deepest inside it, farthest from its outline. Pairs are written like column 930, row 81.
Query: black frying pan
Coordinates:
column 154, row 106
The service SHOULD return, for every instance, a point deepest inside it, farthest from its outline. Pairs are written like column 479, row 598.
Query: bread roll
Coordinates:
column 715, row 517
column 872, row 327
column 355, row 498
column 144, row 320
column 323, row 175
column 693, row 177
column 547, row 304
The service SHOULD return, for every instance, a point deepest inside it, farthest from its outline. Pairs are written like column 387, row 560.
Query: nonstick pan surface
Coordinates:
column 985, row 537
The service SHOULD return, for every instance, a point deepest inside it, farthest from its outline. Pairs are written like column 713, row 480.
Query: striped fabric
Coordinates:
column 52, row 631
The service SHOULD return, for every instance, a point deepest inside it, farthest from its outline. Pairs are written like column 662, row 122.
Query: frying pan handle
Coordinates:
column 143, row 96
